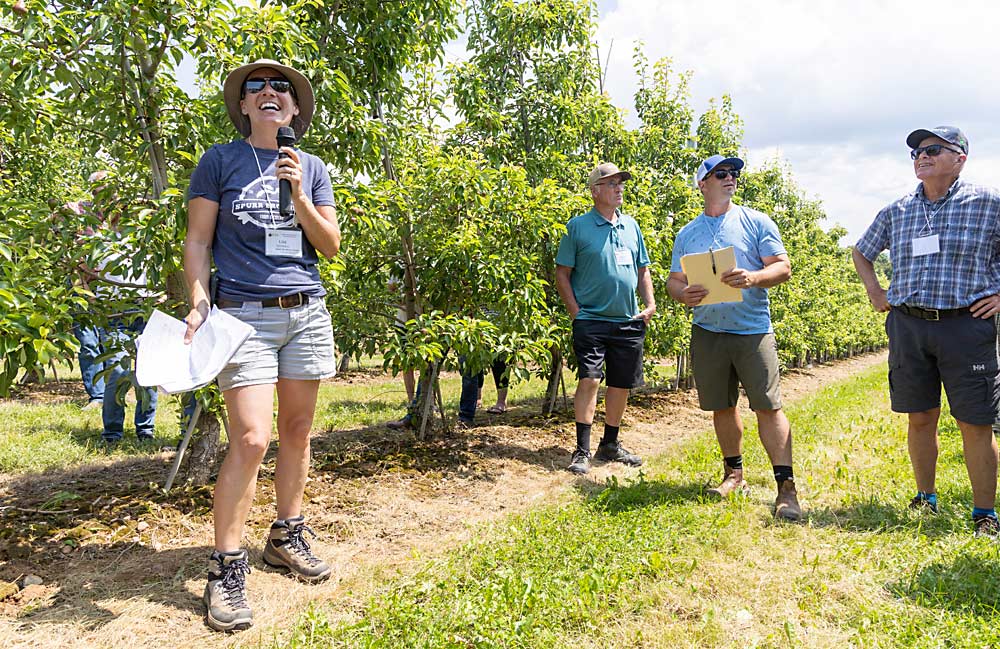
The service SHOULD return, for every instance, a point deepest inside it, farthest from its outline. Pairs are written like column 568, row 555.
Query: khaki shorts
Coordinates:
column 722, row 361
column 294, row 343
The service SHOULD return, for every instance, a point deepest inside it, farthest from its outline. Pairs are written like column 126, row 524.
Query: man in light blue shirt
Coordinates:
column 733, row 342
column 601, row 262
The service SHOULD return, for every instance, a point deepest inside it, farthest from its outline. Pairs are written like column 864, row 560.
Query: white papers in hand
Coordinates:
column 164, row 360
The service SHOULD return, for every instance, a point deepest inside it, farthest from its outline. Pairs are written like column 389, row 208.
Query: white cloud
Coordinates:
column 833, row 85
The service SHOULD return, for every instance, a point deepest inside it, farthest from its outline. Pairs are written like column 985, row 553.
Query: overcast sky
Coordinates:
column 831, row 86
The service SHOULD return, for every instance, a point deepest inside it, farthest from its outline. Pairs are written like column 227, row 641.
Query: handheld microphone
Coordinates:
column 286, row 137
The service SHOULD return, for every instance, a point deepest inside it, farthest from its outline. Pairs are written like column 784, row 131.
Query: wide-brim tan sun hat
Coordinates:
column 305, row 99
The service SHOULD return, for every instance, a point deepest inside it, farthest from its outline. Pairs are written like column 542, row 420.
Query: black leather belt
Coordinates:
column 285, row 302
column 931, row 314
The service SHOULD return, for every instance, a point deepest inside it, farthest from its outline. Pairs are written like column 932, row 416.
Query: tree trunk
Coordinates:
column 552, row 389
column 203, row 451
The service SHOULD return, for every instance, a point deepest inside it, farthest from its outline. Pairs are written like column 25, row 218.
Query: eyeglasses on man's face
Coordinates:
column 613, row 184
column 278, row 84
column 932, row 150
column 722, row 174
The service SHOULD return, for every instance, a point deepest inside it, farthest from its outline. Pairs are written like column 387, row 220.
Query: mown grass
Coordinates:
column 648, row 562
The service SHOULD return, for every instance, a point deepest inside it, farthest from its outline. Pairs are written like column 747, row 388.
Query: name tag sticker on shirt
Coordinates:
column 623, row 256
column 926, row 245
column 283, row 243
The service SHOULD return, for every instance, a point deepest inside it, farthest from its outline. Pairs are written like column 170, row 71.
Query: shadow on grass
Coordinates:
column 873, row 516
column 969, row 583
column 614, row 497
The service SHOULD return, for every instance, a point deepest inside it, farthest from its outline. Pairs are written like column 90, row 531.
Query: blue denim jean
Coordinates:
column 121, row 370
column 473, row 383
column 90, row 348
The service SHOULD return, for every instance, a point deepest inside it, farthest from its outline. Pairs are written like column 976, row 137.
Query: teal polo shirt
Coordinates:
column 605, row 259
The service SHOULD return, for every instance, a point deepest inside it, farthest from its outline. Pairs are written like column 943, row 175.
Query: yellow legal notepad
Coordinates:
column 706, row 269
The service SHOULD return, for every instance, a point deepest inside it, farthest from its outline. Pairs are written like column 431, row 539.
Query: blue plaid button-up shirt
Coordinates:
column 967, row 268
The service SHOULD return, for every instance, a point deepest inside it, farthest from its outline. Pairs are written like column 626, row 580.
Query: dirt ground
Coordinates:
column 122, row 564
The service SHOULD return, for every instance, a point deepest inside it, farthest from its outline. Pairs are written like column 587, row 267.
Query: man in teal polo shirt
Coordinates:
column 601, row 262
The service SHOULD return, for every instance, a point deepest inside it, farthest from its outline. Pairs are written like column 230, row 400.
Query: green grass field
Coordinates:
column 651, row 563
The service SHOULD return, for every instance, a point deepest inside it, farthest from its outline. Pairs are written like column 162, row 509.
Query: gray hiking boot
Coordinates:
column 287, row 548
column 226, row 592
column 580, row 462
column 614, row 452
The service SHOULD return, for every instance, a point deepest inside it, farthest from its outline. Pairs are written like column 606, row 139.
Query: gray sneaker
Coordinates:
column 580, row 462
column 226, row 592
column 287, row 548
column 614, row 452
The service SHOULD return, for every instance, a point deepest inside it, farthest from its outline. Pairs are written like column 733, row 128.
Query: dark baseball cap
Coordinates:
column 950, row 134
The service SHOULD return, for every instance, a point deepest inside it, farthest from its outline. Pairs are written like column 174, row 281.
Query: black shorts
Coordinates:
column 617, row 344
column 958, row 351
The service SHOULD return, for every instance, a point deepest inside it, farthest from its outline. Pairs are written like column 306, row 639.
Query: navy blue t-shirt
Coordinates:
column 248, row 207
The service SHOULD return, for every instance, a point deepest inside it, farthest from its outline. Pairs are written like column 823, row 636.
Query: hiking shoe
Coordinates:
column 226, row 592
column 732, row 483
column 287, row 548
column 786, row 505
column 464, row 424
column 986, row 526
column 400, row 424
column 614, row 452
column 922, row 504
column 580, row 463
column 94, row 404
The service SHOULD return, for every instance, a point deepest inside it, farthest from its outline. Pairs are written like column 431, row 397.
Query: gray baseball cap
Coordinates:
column 950, row 134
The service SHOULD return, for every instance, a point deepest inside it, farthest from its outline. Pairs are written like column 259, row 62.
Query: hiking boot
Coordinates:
column 986, row 526
column 614, row 452
column 786, row 505
column 922, row 504
column 580, row 463
column 287, row 548
column 400, row 424
column 732, row 483
column 226, row 592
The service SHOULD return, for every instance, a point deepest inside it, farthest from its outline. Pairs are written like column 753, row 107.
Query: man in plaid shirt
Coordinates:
column 944, row 242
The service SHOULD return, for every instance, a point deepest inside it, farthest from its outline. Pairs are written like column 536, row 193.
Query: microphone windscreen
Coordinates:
column 286, row 136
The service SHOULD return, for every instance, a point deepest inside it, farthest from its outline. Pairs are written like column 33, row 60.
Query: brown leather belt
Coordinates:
column 930, row 314
column 284, row 302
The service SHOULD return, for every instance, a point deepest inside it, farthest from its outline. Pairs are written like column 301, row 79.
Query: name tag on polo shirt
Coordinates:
column 283, row 243
column 623, row 256
column 926, row 245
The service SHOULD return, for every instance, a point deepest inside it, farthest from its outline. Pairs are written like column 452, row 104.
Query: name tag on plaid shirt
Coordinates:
column 926, row 245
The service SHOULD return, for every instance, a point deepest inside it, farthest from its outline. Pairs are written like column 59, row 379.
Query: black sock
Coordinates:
column 583, row 436
column 610, row 434
column 735, row 462
column 782, row 473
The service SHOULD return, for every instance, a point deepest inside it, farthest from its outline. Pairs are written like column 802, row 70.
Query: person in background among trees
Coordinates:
column 944, row 242
column 733, row 342
column 87, row 333
column 266, row 266
column 601, row 262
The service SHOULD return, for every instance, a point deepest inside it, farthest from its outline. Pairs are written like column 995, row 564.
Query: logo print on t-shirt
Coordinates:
column 258, row 204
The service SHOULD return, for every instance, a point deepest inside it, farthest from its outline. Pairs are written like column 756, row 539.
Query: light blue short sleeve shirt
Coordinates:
column 754, row 236
column 605, row 259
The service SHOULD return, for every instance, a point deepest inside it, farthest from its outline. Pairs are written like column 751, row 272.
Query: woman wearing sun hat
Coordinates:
column 266, row 266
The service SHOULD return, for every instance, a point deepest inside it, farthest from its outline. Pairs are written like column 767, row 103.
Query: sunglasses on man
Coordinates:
column 722, row 174
column 280, row 85
column 932, row 150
